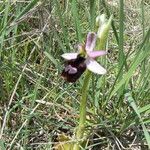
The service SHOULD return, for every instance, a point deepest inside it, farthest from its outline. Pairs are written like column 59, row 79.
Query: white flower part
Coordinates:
column 101, row 19
column 95, row 67
column 101, row 31
column 69, row 56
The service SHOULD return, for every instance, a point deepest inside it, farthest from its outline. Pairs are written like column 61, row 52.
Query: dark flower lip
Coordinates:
column 77, row 64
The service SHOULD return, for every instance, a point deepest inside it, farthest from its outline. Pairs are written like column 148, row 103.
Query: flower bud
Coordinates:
column 103, row 30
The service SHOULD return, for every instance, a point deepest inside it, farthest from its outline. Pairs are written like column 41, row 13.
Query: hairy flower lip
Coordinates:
column 74, row 69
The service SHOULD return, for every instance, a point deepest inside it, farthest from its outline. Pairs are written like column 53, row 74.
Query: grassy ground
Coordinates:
column 36, row 104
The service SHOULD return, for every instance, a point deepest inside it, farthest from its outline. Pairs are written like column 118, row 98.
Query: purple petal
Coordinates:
column 95, row 54
column 90, row 41
column 70, row 69
column 69, row 56
column 95, row 67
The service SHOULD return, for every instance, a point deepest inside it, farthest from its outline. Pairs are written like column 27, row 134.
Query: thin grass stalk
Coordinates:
column 4, row 24
column 112, row 23
column 76, row 20
column 121, row 34
column 121, row 43
column 141, row 56
column 133, row 104
column 143, row 29
column 92, row 14
column 61, row 18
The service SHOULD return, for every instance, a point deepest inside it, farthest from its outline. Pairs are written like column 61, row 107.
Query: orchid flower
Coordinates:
column 88, row 54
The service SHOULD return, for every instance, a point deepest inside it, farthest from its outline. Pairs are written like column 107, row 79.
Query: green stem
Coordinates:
column 83, row 103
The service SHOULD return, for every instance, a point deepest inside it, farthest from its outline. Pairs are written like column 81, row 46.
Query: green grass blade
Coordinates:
column 132, row 103
column 53, row 60
column 146, row 39
column 61, row 45
column 27, row 8
column 61, row 20
column 145, row 108
column 140, row 57
column 143, row 17
column 4, row 24
column 92, row 14
column 76, row 20
column 113, row 23
column 2, row 147
column 121, row 35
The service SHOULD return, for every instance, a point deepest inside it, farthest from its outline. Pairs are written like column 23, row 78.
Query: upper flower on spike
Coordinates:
column 103, row 29
column 87, row 51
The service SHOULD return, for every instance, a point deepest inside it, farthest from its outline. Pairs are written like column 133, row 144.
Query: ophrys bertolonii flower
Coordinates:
column 77, row 63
